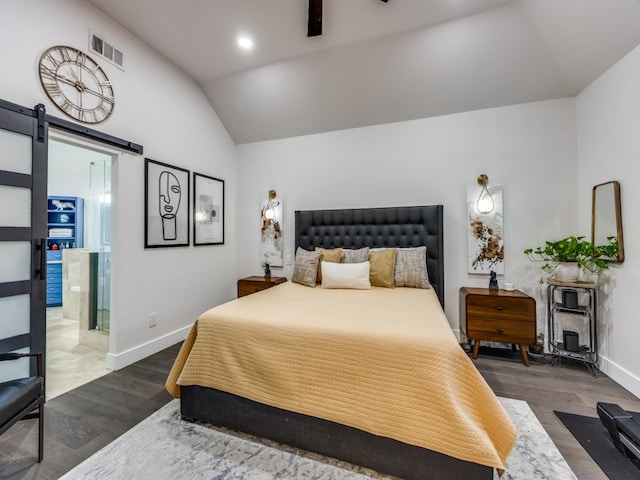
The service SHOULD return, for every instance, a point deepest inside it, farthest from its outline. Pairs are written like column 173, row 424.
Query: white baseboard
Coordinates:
column 123, row 359
column 620, row 375
column 458, row 334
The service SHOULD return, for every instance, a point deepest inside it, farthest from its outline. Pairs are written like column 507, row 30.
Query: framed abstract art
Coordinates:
column 208, row 210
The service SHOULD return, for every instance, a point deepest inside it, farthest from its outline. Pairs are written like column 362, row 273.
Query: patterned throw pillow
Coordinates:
column 305, row 269
column 355, row 256
column 327, row 255
column 383, row 263
column 411, row 268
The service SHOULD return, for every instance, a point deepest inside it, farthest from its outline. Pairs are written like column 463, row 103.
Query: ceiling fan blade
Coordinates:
column 315, row 18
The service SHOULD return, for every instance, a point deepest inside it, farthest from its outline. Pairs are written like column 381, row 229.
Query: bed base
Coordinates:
column 324, row 437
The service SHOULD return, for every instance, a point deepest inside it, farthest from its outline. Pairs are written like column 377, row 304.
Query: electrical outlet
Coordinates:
column 153, row 319
column 288, row 259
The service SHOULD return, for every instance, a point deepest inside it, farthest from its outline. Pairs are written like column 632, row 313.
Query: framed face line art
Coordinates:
column 166, row 205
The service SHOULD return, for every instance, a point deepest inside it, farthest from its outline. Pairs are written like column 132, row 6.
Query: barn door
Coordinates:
column 23, row 210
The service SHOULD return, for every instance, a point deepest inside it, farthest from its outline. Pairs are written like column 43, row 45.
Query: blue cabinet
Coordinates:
column 54, row 278
column 65, row 222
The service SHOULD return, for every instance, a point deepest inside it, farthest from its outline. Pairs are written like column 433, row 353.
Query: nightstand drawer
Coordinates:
column 501, row 330
column 248, row 289
column 515, row 309
column 249, row 285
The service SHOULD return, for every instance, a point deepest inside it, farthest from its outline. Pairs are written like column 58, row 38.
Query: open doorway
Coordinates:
column 78, row 263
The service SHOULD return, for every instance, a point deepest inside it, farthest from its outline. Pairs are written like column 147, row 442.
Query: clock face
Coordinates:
column 76, row 84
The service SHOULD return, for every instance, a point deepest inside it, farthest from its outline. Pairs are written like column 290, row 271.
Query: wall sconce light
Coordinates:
column 485, row 203
column 269, row 215
column 485, row 245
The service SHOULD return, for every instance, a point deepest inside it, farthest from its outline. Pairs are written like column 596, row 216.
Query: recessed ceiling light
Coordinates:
column 245, row 42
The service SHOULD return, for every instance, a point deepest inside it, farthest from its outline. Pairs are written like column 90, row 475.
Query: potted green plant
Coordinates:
column 572, row 251
column 610, row 250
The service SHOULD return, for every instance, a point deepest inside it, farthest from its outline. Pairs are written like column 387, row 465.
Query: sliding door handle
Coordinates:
column 41, row 251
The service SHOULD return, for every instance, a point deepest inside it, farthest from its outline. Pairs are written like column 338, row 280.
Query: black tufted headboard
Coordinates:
column 378, row 227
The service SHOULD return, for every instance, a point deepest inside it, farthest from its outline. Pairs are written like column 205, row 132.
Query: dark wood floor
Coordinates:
column 568, row 387
column 80, row 422
column 84, row 420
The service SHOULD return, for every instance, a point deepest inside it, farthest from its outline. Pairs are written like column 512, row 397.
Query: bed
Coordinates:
column 388, row 426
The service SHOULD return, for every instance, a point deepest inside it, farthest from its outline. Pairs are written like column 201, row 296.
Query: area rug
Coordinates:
column 595, row 439
column 163, row 446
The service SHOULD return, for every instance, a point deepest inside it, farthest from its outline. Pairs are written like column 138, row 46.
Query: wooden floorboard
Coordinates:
column 568, row 387
column 82, row 421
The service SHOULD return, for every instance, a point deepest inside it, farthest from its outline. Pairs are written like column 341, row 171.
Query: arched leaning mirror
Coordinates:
column 606, row 219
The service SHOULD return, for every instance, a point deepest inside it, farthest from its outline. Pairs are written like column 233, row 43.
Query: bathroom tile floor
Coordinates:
column 69, row 364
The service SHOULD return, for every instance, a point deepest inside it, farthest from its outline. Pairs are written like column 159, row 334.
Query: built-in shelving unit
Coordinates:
column 65, row 227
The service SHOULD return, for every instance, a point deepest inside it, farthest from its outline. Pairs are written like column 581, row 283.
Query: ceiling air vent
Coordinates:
column 106, row 50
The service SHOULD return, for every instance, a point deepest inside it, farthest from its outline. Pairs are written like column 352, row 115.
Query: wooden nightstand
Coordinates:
column 498, row 316
column 249, row 285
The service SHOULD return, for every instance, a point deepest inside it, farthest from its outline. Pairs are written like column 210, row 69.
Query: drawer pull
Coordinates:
column 499, row 308
column 500, row 330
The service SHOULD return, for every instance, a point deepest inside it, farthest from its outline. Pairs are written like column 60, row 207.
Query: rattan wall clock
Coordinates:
column 76, row 84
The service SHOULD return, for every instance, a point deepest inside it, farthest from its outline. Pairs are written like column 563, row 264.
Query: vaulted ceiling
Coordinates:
column 379, row 62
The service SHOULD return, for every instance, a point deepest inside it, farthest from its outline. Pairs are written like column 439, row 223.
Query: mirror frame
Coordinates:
column 618, row 213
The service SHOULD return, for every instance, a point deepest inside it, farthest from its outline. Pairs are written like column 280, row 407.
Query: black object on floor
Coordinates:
column 623, row 429
column 595, row 439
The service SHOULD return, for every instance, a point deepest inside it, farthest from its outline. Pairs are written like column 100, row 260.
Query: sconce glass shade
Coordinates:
column 485, row 203
column 270, row 214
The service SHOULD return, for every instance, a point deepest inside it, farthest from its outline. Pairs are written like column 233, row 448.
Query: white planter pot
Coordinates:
column 587, row 276
column 567, row 272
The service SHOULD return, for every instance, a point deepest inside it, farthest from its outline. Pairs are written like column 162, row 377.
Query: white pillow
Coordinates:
column 346, row 275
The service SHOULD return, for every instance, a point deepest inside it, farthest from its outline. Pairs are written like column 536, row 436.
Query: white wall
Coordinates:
column 161, row 108
column 608, row 117
column 532, row 150
column 528, row 149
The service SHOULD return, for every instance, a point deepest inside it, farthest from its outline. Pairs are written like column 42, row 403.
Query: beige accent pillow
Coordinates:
column 383, row 263
column 355, row 256
column 411, row 268
column 305, row 269
column 327, row 255
column 346, row 275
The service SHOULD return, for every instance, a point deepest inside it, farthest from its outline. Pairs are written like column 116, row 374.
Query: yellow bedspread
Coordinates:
column 381, row 360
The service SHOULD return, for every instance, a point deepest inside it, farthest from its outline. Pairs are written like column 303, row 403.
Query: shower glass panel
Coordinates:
column 100, row 244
